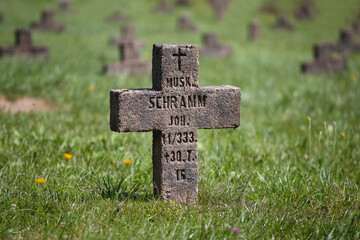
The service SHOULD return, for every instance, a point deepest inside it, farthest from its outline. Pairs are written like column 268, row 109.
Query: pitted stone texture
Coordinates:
column 283, row 23
column 47, row 22
column 254, row 31
column 324, row 62
column 185, row 23
column 213, row 49
column 118, row 17
column 23, row 46
column 174, row 109
column 130, row 62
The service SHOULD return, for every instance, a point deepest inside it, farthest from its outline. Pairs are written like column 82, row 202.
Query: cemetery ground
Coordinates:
column 291, row 170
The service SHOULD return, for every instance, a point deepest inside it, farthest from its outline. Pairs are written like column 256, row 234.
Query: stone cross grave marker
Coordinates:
column 324, row 62
column 346, row 43
column 23, row 46
column 254, row 31
column 185, row 23
column 220, row 6
column 305, row 10
column 128, row 34
column 174, row 109
column 283, row 23
column 130, row 62
column 212, row 47
column 47, row 22
column 163, row 7
column 64, row 6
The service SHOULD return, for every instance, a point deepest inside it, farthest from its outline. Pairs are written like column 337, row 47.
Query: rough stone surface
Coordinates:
column 324, row 62
column 212, row 48
column 23, row 46
column 220, row 7
column 174, row 109
column 283, row 23
column 47, row 22
column 163, row 7
column 130, row 62
column 118, row 17
column 254, row 31
column 185, row 23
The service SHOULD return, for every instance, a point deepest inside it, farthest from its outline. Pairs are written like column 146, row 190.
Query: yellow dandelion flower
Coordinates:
column 68, row 156
column 353, row 77
column 91, row 88
column 342, row 134
column 127, row 161
column 40, row 180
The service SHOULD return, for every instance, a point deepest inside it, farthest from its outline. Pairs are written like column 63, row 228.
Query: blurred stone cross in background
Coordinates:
column 130, row 61
column 47, row 22
column 346, row 43
column 324, row 62
column 23, row 46
column 213, row 48
column 174, row 109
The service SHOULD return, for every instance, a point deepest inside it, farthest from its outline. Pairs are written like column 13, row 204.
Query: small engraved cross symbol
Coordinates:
column 179, row 55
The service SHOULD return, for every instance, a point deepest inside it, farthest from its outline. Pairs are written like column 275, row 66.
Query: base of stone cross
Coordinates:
column 6, row 51
column 128, row 67
column 330, row 65
column 51, row 27
column 220, row 51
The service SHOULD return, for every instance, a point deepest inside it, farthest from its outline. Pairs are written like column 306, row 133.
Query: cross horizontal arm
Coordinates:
column 147, row 109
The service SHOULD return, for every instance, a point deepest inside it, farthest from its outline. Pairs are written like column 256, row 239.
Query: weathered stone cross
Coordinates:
column 174, row 109
column 23, row 46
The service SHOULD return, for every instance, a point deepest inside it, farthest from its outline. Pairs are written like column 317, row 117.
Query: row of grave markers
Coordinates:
column 129, row 48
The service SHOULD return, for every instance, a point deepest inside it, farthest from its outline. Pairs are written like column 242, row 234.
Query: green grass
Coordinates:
column 279, row 175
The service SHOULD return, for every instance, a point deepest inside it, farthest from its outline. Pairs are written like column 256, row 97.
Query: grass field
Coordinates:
column 290, row 171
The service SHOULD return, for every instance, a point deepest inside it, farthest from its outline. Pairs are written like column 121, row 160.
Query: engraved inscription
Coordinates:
column 179, row 120
column 180, row 174
column 175, row 102
column 178, row 138
column 180, row 82
column 180, row 156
